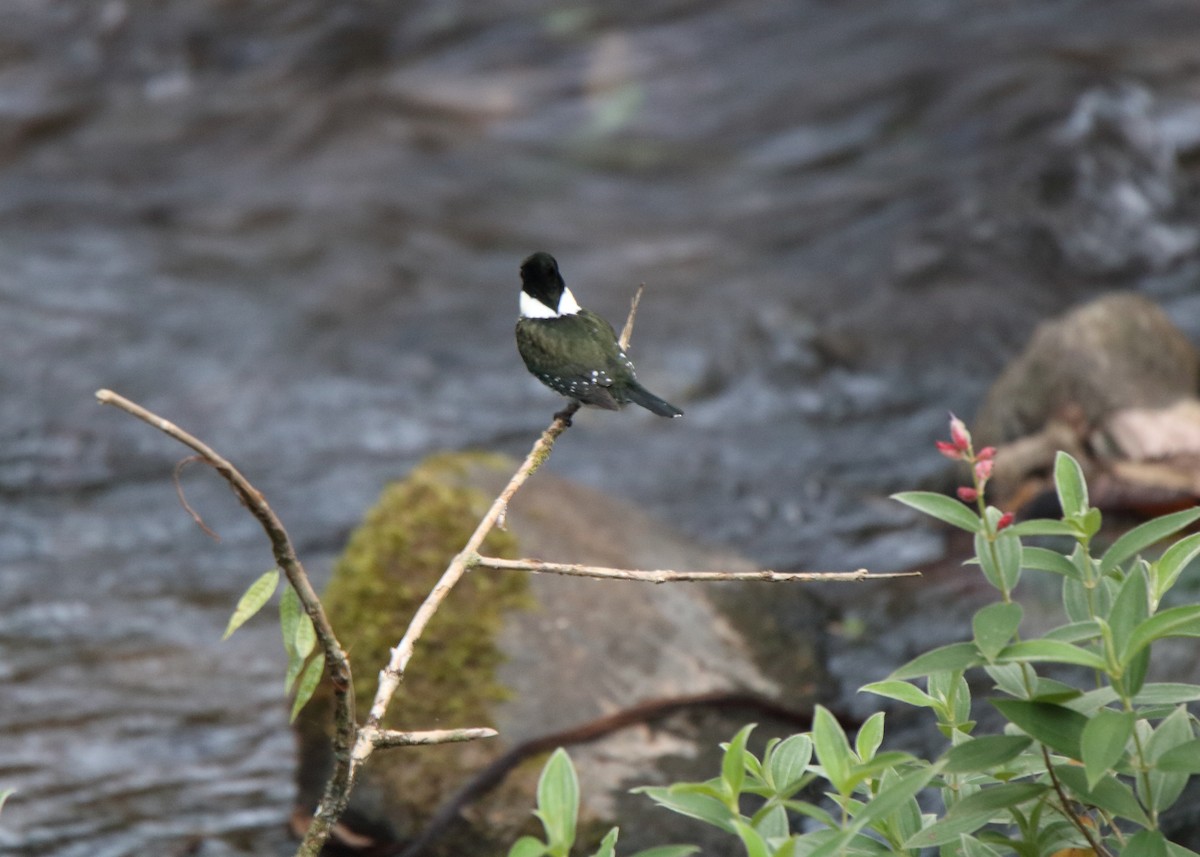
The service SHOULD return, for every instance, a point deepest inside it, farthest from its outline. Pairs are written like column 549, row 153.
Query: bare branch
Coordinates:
column 187, row 507
column 337, row 664
column 391, row 738
column 390, row 676
column 671, row 576
column 627, row 331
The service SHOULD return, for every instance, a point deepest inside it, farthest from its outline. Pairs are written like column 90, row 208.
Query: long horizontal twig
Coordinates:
column 663, row 575
column 392, row 738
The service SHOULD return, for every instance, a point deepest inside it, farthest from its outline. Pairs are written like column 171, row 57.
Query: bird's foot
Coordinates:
column 565, row 415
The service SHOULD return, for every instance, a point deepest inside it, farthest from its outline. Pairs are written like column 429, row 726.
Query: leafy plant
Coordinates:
column 1084, row 765
column 558, row 810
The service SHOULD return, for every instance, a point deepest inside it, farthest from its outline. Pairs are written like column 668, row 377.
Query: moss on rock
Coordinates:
column 390, row 564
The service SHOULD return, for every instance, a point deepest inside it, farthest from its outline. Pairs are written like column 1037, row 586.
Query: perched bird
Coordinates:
column 574, row 351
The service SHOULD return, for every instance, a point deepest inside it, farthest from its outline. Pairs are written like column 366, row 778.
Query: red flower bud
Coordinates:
column 1005, row 520
column 986, row 454
column 967, row 494
column 983, row 469
column 959, row 434
column 949, row 450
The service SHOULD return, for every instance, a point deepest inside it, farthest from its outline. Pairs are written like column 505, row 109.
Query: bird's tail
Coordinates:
column 639, row 395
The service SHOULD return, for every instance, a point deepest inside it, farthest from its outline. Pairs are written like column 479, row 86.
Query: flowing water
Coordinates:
column 294, row 229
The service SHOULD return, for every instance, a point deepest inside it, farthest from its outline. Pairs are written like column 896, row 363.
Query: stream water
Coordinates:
column 294, row 229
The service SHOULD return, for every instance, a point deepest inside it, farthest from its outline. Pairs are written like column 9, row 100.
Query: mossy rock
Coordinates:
column 391, row 563
column 533, row 655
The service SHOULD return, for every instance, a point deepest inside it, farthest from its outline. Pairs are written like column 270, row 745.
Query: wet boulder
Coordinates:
column 1112, row 382
column 538, row 655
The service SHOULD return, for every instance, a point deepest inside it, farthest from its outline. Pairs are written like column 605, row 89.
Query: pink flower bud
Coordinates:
column 949, row 450
column 1005, row 520
column 959, row 434
column 986, row 454
column 983, row 469
column 967, row 494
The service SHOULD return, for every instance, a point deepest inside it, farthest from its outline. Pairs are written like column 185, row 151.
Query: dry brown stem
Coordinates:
column 664, row 575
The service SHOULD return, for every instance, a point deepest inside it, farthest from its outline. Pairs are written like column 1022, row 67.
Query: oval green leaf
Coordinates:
column 984, row 753
column 252, row 601
column 955, row 657
column 1071, row 487
column 309, row 679
column 1144, row 535
column 558, row 800
column 943, row 508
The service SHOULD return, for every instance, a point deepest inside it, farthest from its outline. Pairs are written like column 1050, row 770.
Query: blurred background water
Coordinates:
column 294, row 229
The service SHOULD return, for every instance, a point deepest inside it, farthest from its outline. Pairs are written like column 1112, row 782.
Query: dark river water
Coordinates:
column 294, row 229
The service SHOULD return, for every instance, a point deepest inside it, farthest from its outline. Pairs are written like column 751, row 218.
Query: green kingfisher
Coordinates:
column 574, row 351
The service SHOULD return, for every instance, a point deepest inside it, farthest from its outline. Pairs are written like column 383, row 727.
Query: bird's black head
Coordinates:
column 541, row 280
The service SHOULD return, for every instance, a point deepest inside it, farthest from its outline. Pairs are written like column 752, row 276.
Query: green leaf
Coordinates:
column 943, row 508
column 1167, row 693
column 788, row 762
column 1072, row 490
column 755, row 845
column 5, row 794
column 1175, row 622
column 306, row 636
column 608, row 845
column 1166, row 786
column 894, row 797
column 1182, row 758
column 870, row 736
column 252, row 601
column 558, row 801
column 994, row 626
column 985, row 753
column 1144, row 535
column 1173, row 561
column 773, row 823
column 733, row 764
column 1089, row 629
column 905, row 820
column 955, row 657
column 1109, row 794
column 669, row 851
column 974, row 811
column 1051, row 690
column 527, row 846
column 308, row 683
column 1043, row 559
column 833, row 750
column 1043, row 527
column 1008, row 554
column 290, row 613
column 703, row 807
column 901, row 690
column 1050, row 651
column 972, row 847
column 1134, row 677
column 1103, row 742
column 1059, row 728
column 1129, row 609
column 1145, row 843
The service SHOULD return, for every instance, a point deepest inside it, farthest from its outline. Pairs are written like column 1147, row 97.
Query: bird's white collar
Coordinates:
column 533, row 308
